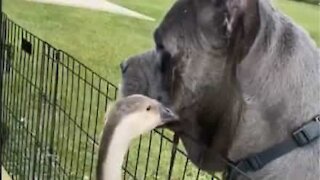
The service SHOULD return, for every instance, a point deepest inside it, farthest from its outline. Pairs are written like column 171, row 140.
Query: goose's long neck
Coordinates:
column 114, row 148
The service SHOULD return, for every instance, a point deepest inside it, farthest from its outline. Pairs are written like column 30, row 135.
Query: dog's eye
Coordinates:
column 165, row 61
column 148, row 108
column 218, row 3
column 159, row 46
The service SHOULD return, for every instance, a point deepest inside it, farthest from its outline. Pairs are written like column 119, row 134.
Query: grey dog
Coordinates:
column 242, row 77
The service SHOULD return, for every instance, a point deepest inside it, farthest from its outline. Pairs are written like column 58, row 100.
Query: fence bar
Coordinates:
column 2, row 41
column 53, row 116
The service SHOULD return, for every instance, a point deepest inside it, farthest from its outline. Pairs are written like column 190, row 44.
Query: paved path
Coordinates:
column 100, row 5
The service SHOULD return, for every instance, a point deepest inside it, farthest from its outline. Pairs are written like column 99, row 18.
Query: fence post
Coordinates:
column 1, row 84
column 56, row 59
column 173, row 154
column 39, row 111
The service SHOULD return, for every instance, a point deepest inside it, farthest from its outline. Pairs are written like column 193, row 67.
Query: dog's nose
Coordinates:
column 123, row 66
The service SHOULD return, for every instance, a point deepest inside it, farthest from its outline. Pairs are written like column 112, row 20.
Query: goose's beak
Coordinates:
column 167, row 115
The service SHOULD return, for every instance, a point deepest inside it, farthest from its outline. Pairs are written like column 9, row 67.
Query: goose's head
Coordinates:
column 140, row 114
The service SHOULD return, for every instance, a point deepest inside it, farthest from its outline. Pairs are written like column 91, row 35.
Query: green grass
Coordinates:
column 101, row 41
column 306, row 15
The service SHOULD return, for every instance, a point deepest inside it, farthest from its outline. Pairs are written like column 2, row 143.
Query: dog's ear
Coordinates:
column 241, row 12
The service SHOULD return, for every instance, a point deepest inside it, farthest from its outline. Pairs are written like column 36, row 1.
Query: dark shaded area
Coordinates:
column 4, row 135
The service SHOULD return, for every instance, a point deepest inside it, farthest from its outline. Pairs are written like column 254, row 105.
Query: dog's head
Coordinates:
column 192, row 69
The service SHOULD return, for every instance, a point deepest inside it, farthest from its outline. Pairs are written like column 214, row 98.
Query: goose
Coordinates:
column 129, row 118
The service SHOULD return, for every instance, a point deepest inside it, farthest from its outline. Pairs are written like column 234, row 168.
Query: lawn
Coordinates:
column 307, row 15
column 101, row 40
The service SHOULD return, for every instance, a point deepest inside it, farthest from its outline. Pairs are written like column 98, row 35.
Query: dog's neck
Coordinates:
column 265, row 118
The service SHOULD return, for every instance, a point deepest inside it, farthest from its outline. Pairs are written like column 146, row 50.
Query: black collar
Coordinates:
column 300, row 137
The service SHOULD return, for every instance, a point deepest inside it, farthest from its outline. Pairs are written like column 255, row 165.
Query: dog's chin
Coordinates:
column 197, row 151
column 202, row 156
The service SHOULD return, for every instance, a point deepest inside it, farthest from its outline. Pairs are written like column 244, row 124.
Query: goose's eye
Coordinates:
column 148, row 108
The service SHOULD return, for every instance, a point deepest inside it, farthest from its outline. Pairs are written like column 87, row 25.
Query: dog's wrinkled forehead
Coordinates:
column 191, row 24
column 175, row 22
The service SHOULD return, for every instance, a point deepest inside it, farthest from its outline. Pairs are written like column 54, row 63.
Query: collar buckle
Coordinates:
column 307, row 133
column 254, row 163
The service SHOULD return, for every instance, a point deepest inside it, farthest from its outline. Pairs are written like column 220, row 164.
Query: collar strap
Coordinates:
column 308, row 133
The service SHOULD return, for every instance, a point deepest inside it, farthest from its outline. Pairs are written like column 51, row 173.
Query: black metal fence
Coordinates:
column 52, row 110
